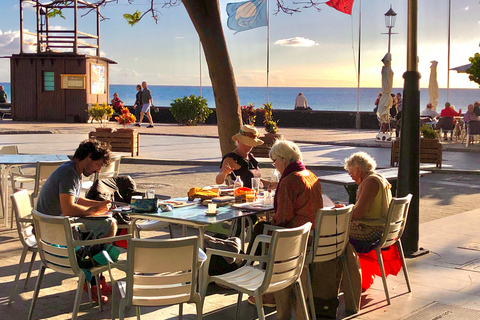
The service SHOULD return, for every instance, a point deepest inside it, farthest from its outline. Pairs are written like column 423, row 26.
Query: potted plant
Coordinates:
column 249, row 114
column 428, row 132
column 190, row 110
column 125, row 118
column 101, row 113
column 271, row 128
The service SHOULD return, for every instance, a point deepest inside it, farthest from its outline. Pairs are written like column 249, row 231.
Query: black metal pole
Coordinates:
column 409, row 158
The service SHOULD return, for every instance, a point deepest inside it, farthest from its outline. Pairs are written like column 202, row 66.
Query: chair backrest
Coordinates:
column 55, row 242
column 111, row 170
column 473, row 127
column 286, row 257
column 332, row 226
column 22, row 208
column 396, row 219
column 445, row 123
column 43, row 171
column 162, row 272
column 9, row 149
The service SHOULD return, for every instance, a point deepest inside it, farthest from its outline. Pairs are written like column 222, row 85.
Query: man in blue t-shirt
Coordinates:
column 60, row 195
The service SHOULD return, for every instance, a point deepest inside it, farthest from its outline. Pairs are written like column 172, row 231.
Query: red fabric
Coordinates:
column 370, row 268
column 344, row 6
column 121, row 243
column 449, row 112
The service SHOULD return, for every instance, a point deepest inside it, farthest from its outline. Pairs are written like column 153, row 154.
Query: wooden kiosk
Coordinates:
column 57, row 82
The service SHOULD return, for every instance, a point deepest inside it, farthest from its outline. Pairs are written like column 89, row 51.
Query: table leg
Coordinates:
column 184, row 230
column 352, row 193
column 242, row 233
column 201, row 232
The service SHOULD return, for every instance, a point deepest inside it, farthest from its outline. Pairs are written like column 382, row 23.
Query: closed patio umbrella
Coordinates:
column 433, row 85
column 386, row 101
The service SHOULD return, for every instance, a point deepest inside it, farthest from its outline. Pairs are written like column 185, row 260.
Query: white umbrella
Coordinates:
column 386, row 101
column 433, row 85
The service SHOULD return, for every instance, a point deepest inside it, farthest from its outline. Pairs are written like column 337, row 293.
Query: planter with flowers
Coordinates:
column 249, row 114
column 124, row 139
column 101, row 113
column 271, row 128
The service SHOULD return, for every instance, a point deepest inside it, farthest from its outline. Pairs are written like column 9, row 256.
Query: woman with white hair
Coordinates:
column 297, row 199
column 373, row 198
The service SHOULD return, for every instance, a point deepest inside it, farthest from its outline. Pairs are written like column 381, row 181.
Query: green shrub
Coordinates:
column 271, row 126
column 428, row 132
column 190, row 110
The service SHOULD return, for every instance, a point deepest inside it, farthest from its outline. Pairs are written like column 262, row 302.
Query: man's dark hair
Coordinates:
column 98, row 150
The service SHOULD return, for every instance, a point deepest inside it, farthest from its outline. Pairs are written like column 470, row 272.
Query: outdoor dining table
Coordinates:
column 9, row 160
column 193, row 214
column 391, row 174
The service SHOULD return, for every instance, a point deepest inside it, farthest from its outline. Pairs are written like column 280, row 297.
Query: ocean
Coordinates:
column 325, row 99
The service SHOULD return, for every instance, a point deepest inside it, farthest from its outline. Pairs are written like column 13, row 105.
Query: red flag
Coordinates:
column 344, row 6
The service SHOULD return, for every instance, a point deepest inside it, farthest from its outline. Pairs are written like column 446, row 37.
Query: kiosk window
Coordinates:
column 48, row 81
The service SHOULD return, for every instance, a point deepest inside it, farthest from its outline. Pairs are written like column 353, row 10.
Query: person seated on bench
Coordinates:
column 430, row 113
column 3, row 95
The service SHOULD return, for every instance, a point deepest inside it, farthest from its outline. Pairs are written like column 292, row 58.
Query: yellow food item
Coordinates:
column 201, row 193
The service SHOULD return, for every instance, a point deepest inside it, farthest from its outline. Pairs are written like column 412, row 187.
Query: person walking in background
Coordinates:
column 3, row 95
column 301, row 102
column 117, row 104
column 138, row 104
column 146, row 103
column 399, row 102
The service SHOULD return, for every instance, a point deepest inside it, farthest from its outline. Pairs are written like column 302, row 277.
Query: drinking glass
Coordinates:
column 256, row 184
column 150, row 194
column 212, row 207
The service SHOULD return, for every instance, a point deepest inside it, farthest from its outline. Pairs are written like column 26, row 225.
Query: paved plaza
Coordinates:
column 174, row 158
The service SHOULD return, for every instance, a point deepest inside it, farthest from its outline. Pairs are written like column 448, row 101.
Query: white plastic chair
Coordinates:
column 473, row 129
column 330, row 239
column 23, row 208
column 160, row 272
column 57, row 251
column 284, row 263
column 396, row 219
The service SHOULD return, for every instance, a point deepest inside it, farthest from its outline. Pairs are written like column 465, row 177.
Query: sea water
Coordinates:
column 325, row 99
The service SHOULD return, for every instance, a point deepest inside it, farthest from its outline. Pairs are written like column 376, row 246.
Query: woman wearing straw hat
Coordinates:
column 240, row 162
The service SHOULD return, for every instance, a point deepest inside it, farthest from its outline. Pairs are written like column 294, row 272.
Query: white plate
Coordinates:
column 210, row 214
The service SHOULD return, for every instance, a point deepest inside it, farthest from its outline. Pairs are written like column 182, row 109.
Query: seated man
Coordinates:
column 470, row 115
column 60, row 195
column 429, row 112
column 117, row 104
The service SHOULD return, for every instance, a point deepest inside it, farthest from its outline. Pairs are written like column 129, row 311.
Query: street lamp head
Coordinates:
column 390, row 17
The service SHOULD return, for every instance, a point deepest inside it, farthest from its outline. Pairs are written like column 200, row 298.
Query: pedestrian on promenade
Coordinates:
column 138, row 104
column 3, row 95
column 301, row 102
column 146, row 103
column 117, row 104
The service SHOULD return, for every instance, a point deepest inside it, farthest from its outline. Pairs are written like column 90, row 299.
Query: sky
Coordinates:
column 307, row 49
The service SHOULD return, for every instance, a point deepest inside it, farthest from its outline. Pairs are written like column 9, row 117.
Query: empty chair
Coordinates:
column 57, row 251
column 22, row 208
column 330, row 239
column 473, row 128
column 283, row 266
column 43, row 170
column 396, row 219
column 160, row 273
column 445, row 125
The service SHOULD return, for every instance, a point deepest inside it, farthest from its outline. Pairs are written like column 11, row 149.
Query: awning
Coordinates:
column 462, row 69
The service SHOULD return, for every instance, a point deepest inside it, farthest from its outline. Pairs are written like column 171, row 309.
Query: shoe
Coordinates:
column 150, row 126
column 94, row 293
column 105, row 287
column 268, row 300
column 137, row 125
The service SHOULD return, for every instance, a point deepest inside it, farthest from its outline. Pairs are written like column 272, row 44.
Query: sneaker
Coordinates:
column 137, row 125
column 268, row 300
column 150, row 126
column 95, row 294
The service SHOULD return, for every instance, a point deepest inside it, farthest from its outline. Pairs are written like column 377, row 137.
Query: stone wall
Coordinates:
column 293, row 119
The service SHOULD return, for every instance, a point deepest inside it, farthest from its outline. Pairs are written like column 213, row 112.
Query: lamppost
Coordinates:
column 390, row 18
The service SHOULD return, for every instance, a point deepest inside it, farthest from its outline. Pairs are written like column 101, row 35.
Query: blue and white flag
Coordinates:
column 246, row 15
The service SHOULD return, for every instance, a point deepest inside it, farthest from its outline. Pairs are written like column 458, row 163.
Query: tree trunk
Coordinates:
column 205, row 15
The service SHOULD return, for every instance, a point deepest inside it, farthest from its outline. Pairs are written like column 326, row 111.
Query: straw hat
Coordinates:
column 248, row 135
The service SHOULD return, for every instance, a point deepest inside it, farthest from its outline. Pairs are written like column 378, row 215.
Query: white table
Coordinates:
column 9, row 160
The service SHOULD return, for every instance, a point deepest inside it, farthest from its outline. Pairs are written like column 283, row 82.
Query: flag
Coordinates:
column 344, row 6
column 246, row 15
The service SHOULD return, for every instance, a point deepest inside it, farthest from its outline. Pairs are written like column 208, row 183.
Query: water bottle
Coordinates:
column 237, row 184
